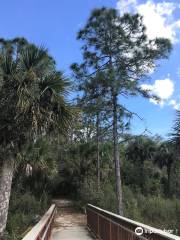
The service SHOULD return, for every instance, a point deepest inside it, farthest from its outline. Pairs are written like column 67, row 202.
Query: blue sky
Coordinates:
column 55, row 24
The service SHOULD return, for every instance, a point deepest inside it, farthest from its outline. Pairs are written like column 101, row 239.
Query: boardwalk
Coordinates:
column 69, row 224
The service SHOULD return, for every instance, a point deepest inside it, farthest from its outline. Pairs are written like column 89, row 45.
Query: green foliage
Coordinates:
column 88, row 192
column 160, row 212
column 35, row 90
column 175, row 134
column 131, row 207
column 110, row 49
column 108, row 200
column 112, row 60
column 66, row 163
column 144, row 181
column 25, row 210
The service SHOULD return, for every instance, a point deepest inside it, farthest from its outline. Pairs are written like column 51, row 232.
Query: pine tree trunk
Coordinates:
column 98, row 148
column 117, row 158
column 6, row 174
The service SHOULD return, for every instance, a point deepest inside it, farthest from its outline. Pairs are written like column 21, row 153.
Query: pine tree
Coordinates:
column 94, row 105
column 119, row 48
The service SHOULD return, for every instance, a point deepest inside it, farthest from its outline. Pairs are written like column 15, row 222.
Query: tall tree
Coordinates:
column 175, row 134
column 117, row 46
column 94, row 104
column 169, row 151
column 31, row 104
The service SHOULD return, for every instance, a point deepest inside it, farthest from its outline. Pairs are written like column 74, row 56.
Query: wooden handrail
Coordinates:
column 42, row 230
column 107, row 225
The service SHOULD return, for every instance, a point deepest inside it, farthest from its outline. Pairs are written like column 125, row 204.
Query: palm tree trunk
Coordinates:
column 6, row 174
column 117, row 158
column 98, row 148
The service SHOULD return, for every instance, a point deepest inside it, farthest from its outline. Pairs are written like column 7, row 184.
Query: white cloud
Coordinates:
column 126, row 6
column 159, row 102
column 153, row 101
column 158, row 17
column 162, row 88
column 174, row 104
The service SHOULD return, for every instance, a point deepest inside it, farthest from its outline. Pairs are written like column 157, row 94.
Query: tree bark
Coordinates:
column 98, row 148
column 6, row 175
column 117, row 158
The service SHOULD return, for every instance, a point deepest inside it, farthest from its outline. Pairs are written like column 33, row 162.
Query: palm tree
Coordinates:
column 32, row 104
column 38, row 161
column 140, row 149
column 165, row 157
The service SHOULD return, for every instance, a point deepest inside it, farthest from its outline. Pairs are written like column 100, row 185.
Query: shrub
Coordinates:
column 24, row 212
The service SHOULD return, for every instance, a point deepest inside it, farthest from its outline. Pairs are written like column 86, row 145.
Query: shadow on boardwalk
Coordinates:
column 69, row 224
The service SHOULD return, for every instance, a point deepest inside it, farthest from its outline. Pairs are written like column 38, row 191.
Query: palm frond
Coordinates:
column 7, row 64
column 34, row 91
column 32, row 56
column 55, row 81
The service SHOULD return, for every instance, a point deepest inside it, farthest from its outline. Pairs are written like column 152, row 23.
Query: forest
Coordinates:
column 71, row 137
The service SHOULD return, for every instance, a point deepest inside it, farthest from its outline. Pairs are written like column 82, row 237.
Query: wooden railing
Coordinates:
column 108, row 226
column 42, row 230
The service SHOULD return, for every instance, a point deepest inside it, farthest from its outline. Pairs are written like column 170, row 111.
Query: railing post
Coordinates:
column 98, row 225
column 110, row 229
